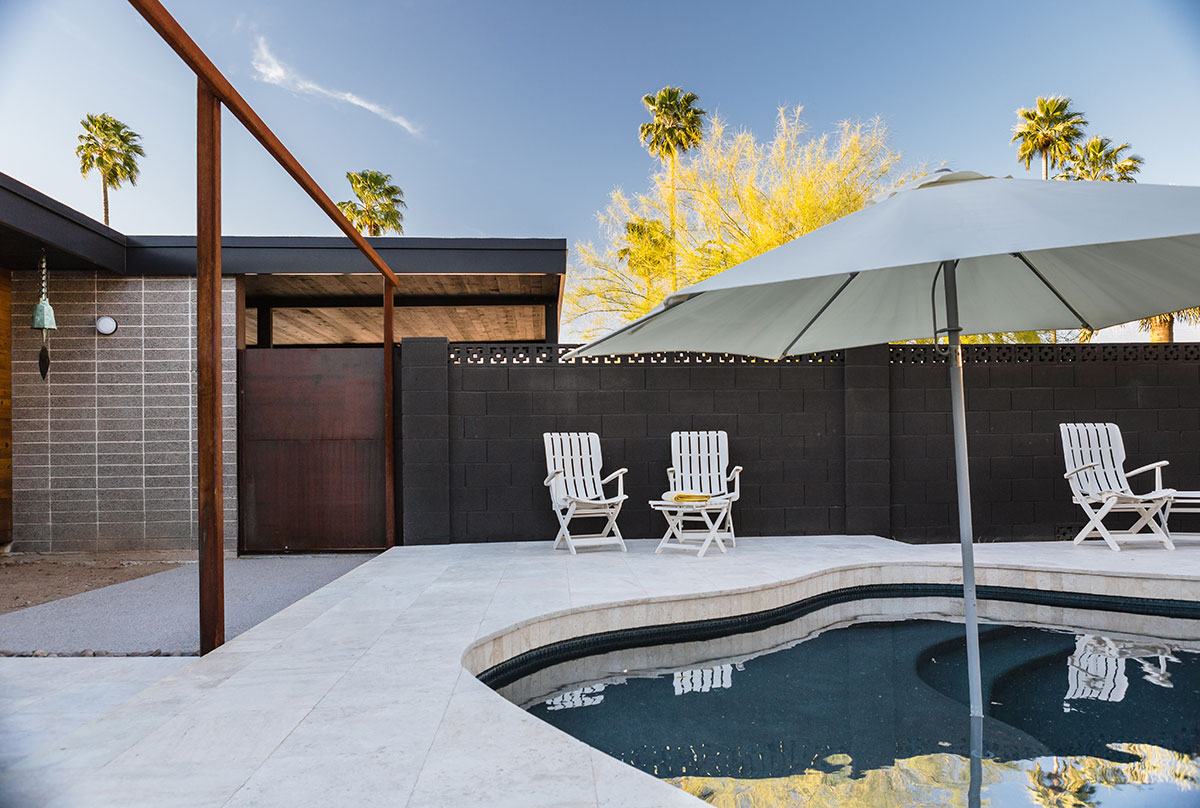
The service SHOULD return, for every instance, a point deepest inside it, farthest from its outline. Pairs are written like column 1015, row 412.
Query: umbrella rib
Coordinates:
column 1021, row 257
column 828, row 303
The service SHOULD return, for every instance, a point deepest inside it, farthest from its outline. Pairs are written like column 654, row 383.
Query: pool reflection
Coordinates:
column 875, row 713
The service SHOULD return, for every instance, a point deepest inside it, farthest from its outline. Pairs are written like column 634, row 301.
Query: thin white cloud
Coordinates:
column 273, row 71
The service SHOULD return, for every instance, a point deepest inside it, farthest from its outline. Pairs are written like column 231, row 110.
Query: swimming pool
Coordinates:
column 864, row 703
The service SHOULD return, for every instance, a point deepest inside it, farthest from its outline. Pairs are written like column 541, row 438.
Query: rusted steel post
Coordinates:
column 389, row 415
column 208, row 368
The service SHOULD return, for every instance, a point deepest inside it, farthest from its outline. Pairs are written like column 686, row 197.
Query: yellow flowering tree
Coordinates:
column 737, row 197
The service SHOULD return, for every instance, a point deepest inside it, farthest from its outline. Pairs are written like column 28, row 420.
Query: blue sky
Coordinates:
column 518, row 118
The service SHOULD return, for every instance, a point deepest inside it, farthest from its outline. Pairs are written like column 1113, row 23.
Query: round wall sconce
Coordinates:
column 106, row 325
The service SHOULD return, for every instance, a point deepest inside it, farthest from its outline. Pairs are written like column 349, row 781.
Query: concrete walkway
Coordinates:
column 357, row 694
column 158, row 612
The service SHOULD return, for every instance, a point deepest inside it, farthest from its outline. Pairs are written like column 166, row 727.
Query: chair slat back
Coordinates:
column 701, row 462
column 577, row 455
column 1100, row 444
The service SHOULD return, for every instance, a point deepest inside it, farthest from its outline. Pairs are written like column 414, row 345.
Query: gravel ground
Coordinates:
column 158, row 612
column 30, row 579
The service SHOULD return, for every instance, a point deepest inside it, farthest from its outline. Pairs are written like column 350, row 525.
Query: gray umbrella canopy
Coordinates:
column 975, row 253
column 1032, row 254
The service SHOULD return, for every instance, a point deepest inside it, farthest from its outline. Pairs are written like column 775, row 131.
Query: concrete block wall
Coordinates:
column 858, row 442
column 1013, row 411
column 785, row 423
column 104, row 450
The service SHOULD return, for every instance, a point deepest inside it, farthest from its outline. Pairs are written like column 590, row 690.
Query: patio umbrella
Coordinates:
column 951, row 252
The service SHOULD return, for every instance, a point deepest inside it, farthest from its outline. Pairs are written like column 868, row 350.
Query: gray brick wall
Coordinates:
column 104, row 451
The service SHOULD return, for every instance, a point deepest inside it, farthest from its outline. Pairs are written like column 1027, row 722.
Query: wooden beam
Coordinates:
column 389, row 418
column 265, row 327
column 6, row 400
column 209, row 472
column 401, row 301
column 554, row 313
column 174, row 35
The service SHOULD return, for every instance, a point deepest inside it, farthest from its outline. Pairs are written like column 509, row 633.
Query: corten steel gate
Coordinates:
column 311, row 450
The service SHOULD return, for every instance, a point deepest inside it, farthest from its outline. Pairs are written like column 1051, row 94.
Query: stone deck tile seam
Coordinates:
column 370, row 576
column 412, row 789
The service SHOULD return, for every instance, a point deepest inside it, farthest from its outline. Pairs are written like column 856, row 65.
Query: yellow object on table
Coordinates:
column 685, row 496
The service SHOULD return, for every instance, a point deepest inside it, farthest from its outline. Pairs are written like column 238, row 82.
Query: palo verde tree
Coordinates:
column 1049, row 129
column 377, row 210
column 674, row 128
column 736, row 197
column 110, row 148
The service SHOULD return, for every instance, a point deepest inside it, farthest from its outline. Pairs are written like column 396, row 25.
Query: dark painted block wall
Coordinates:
column 855, row 441
column 785, row 424
column 1013, row 411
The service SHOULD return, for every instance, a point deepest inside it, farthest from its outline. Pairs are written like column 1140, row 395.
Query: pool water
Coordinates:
column 875, row 714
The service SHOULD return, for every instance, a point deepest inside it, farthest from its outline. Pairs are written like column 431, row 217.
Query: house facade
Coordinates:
column 100, row 455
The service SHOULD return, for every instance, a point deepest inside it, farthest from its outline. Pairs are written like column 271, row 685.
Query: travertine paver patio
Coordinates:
column 356, row 695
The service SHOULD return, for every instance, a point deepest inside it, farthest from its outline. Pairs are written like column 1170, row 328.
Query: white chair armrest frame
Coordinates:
column 550, row 478
column 619, row 476
column 735, row 476
column 1158, row 467
column 1073, row 472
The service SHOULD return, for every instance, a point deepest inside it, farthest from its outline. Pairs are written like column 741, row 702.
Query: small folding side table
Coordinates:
column 713, row 514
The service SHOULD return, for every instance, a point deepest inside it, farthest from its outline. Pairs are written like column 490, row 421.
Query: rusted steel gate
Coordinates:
column 312, row 462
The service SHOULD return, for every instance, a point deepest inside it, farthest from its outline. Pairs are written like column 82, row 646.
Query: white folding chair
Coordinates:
column 699, row 465
column 1095, row 458
column 577, row 491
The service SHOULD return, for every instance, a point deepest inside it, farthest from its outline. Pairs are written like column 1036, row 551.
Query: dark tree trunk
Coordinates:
column 1163, row 329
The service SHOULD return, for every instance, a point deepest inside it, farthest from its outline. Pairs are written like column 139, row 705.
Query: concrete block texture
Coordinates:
column 107, row 443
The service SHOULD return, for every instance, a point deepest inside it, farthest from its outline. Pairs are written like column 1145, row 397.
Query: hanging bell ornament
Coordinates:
column 43, row 319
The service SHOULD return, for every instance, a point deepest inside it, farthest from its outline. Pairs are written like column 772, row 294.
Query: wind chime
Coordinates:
column 43, row 318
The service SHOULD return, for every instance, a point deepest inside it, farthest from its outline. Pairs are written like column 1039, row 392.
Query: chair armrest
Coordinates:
column 1073, row 472
column 1158, row 467
column 671, row 478
column 619, row 475
column 736, row 477
column 550, row 477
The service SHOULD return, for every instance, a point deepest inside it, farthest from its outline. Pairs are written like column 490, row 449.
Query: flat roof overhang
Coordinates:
column 31, row 221
column 332, row 255
column 320, row 288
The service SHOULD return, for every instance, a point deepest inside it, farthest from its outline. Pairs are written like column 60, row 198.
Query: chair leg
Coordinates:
column 714, row 533
column 611, row 528
column 666, row 539
column 1162, row 533
column 1096, row 521
column 564, row 531
column 729, row 524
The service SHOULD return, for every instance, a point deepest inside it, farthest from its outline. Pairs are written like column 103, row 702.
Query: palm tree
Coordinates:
column 378, row 208
column 1050, row 129
column 1098, row 159
column 675, row 127
column 111, row 148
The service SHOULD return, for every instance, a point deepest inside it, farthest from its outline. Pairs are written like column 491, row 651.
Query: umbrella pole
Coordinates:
column 958, row 414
